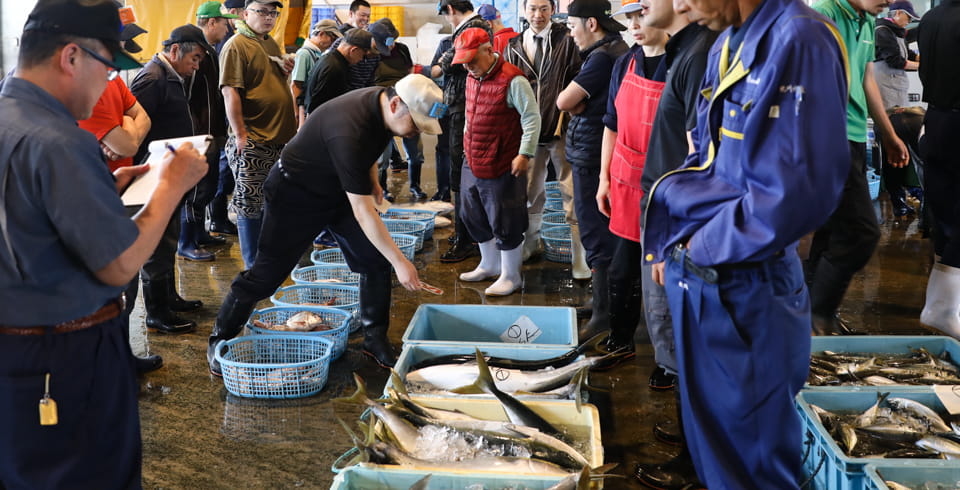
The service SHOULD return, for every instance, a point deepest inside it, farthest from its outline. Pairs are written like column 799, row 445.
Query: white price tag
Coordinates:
column 522, row 331
column 950, row 397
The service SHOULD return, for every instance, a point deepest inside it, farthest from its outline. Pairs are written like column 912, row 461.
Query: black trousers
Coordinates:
column 96, row 443
column 196, row 200
column 595, row 234
column 850, row 236
column 292, row 218
column 163, row 259
column 458, row 121
column 942, row 180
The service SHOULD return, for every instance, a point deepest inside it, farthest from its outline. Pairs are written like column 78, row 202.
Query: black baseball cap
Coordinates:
column 598, row 9
column 188, row 33
column 234, row 4
column 95, row 20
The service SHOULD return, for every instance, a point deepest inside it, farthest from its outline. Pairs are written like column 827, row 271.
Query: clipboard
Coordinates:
column 139, row 191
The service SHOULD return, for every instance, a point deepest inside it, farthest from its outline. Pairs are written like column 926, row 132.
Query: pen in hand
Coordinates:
column 172, row 149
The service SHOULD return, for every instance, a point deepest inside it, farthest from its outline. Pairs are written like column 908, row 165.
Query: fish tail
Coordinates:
column 592, row 345
column 397, row 382
column 580, row 380
column 358, row 397
column 484, row 382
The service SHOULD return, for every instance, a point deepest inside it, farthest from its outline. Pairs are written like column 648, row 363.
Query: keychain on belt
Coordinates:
column 48, row 407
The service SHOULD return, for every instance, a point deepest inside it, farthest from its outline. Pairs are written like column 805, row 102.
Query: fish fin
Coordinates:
column 397, row 381
column 484, row 382
column 592, row 345
column 580, row 380
column 583, row 483
column 359, row 396
column 361, row 445
column 603, row 471
column 422, row 483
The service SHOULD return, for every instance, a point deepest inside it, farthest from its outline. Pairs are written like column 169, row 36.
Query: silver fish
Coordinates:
column 403, row 432
column 920, row 410
column 939, row 445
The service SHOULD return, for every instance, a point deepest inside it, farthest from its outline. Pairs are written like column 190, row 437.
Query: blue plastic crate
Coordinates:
column 325, row 274
column 557, row 245
column 330, row 316
column 380, row 478
column 406, row 243
column 275, row 366
column 415, row 229
column 346, row 298
column 327, row 256
column 553, row 185
column 555, row 219
column 831, row 468
column 914, row 474
column 428, row 218
column 482, row 325
column 416, row 353
column 873, row 183
column 882, row 344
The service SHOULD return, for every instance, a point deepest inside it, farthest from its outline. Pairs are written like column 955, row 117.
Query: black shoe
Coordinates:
column 230, row 321
column 452, row 239
column 207, row 240
column 459, row 252
column 668, row 432
column 381, row 353
column 398, row 166
column 176, row 302
column 624, row 352
column 387, row 196
column 417, row 194
column 661, row 380
column 147, row 364
column 830, row 325
column 675, row 474
column 441, row 196
column 375, row 292
column 157, row 298
column 169, row 323
column 224, row 227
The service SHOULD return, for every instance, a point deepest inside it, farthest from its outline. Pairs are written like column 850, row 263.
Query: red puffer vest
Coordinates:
column 493, row 134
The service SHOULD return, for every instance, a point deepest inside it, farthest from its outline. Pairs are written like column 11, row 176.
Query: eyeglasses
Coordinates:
column 114, row 69
column 270, row 14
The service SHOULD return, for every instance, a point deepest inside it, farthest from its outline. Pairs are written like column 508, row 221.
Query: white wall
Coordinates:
column 13, row 16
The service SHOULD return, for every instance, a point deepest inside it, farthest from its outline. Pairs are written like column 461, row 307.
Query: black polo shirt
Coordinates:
column 686, row 61
column 337, row 146
column 940, row 65
column 329, row 78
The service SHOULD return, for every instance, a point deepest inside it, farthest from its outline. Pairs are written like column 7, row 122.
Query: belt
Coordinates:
column 108, row 312
column 712, row 274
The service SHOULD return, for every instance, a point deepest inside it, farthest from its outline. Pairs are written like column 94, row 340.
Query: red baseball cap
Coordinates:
column 467, row 44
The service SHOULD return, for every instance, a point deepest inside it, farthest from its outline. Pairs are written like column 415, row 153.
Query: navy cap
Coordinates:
column 383, row 36
column 488, row 12
column 598, row 9
column 906, row 6
column 233, row 4
column 95, row 20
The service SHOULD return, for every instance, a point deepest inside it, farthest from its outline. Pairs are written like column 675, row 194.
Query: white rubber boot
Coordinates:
column 942, row 308
column 579, row 263
column 531, row 237
column 489, row 266
column 509, row 280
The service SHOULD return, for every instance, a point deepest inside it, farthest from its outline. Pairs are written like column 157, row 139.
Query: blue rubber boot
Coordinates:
column 248, row 230
column 187, row 246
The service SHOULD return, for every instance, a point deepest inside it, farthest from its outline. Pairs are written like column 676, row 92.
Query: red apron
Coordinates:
column 636, row 104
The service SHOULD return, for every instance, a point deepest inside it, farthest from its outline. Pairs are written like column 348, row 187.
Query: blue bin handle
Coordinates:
column 340, row 464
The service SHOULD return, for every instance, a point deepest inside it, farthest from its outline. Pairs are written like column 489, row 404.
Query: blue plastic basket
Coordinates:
column 826, row 462
column 428, row 218
column 553, row 185
column 554, row 194
column 557, row 245
column 553, row 205
column 325, row 274
column 275, row 366
column 330, row 316
column 873, row 183
column 327, row 256
column 346, row 298
column 555, row 219
column 406, row 243
column 415, row 229
column 913, row 474
column 882, row 344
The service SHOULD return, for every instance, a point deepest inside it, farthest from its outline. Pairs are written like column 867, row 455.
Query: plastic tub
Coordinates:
column 330, row 316
column 831, row 468
column 275, row 366
column 581, row 428
column 413, row 354
column 882, row 344
column 483, row 325
column 557, row 245
column 346, row 298
column 325, row 274
column 914, row 474
column 365, row 477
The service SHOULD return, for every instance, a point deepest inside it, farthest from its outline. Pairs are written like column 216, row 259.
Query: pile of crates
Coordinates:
column 439, row 330
column 826, row 465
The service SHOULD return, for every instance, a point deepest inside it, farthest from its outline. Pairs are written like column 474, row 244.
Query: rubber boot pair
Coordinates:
column 188, row 246
column 502, row 264
column 600, row 307
column 625, row 309
column 416, row 193
column 230, row 321
column 941, row 309
column 674, row 474
column 248, row 230
column 158, row 297
column 375, row 292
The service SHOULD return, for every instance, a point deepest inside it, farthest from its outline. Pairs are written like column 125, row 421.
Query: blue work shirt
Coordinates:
column 63, row 217
column 771, row 144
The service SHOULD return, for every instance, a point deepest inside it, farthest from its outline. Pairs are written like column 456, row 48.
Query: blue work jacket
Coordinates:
column 771, row 144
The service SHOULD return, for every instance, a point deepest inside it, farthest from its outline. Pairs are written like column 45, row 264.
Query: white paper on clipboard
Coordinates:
column 139, row 191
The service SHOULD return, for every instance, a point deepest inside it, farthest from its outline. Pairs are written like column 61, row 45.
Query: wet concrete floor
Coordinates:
column 195, row 435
